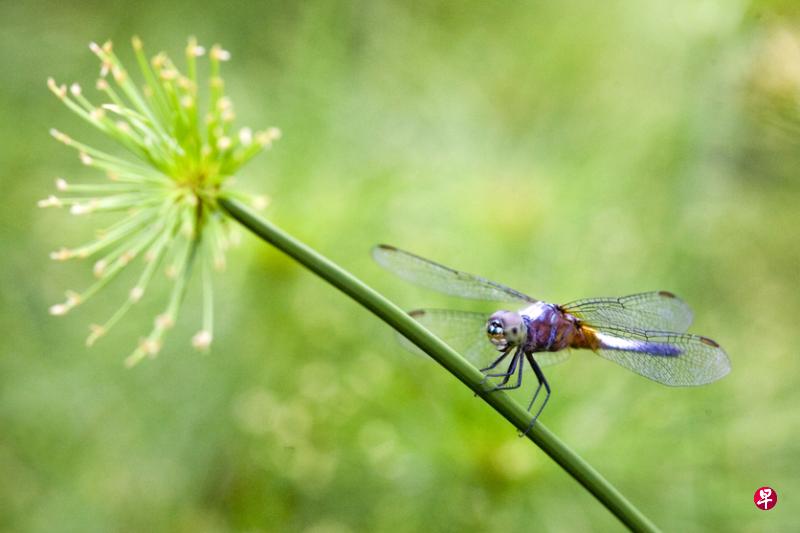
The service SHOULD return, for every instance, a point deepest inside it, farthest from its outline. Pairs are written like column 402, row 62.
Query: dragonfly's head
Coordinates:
column 506, row 329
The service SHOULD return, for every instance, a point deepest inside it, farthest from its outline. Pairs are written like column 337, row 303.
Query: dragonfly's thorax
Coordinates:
column 549, row 328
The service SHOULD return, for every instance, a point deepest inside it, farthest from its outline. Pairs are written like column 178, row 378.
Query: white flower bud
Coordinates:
column 150, row 346
column 60, row 91
column 80, row 209
column 136, row 294
column 265, row 138
column 164, row 321
column 119, row 75
column 245, row 136
column 100, row 268
column 219, row 54
column 61, row 255
column 223, row 143
column 202, row 340
column 58, row 309
column 60, row 137
column 261, row 202
column 224, row 103
column 50, row 201
column 96, row 331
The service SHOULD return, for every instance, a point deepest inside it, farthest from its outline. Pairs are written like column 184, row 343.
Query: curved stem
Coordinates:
column 393, row 315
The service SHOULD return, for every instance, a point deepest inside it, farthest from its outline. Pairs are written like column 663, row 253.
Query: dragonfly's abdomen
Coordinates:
column 662, row 349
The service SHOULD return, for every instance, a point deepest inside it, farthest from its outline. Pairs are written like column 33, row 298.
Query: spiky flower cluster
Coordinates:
column 167, row 197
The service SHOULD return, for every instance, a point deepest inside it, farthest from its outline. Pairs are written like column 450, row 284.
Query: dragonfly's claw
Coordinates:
column 505, row 387
column 521, row 434
column 498, row 375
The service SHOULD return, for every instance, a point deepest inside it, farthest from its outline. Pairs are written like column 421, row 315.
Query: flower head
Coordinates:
column 184, row 156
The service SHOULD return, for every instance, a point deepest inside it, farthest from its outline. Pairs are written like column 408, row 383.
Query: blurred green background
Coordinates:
column 568, row 149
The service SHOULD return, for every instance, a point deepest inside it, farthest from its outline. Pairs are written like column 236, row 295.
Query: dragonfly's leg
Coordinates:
column 535, row 394
column 518, row 356
column 497, row 361
column 512, row 367
column 494, row 364
column 509, row 370
column 542, row 381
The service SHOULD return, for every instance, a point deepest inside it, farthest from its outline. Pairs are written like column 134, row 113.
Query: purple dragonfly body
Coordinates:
column 645, row 333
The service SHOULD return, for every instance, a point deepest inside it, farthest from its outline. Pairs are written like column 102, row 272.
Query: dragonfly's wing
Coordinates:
column 462, row 330
column 426, row 273
column 648, row 311
column 465, row 332
column 669, row 358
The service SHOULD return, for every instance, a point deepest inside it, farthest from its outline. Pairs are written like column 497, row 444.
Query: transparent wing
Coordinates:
column 647, row 311
column 426, row 273
column 669, row 358
column 465, row 332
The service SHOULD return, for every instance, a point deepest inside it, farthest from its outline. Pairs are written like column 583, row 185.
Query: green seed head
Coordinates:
column 180, row 160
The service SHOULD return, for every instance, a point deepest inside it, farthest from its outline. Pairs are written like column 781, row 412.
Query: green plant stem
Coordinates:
column 393, row 315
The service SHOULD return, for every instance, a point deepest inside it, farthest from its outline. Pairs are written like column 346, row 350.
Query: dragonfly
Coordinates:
column 644, row 332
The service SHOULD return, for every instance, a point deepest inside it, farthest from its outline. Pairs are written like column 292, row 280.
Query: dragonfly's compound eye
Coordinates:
column 494, row 328
column 496, row 333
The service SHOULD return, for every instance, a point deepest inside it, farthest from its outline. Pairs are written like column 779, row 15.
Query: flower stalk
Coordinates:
column 453, row 362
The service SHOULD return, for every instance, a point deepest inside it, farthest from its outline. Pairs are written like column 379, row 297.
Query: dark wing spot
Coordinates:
column 706, row 340
column 574, row 314
column 667, row 294
column 387, row 247
column 416, row 313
